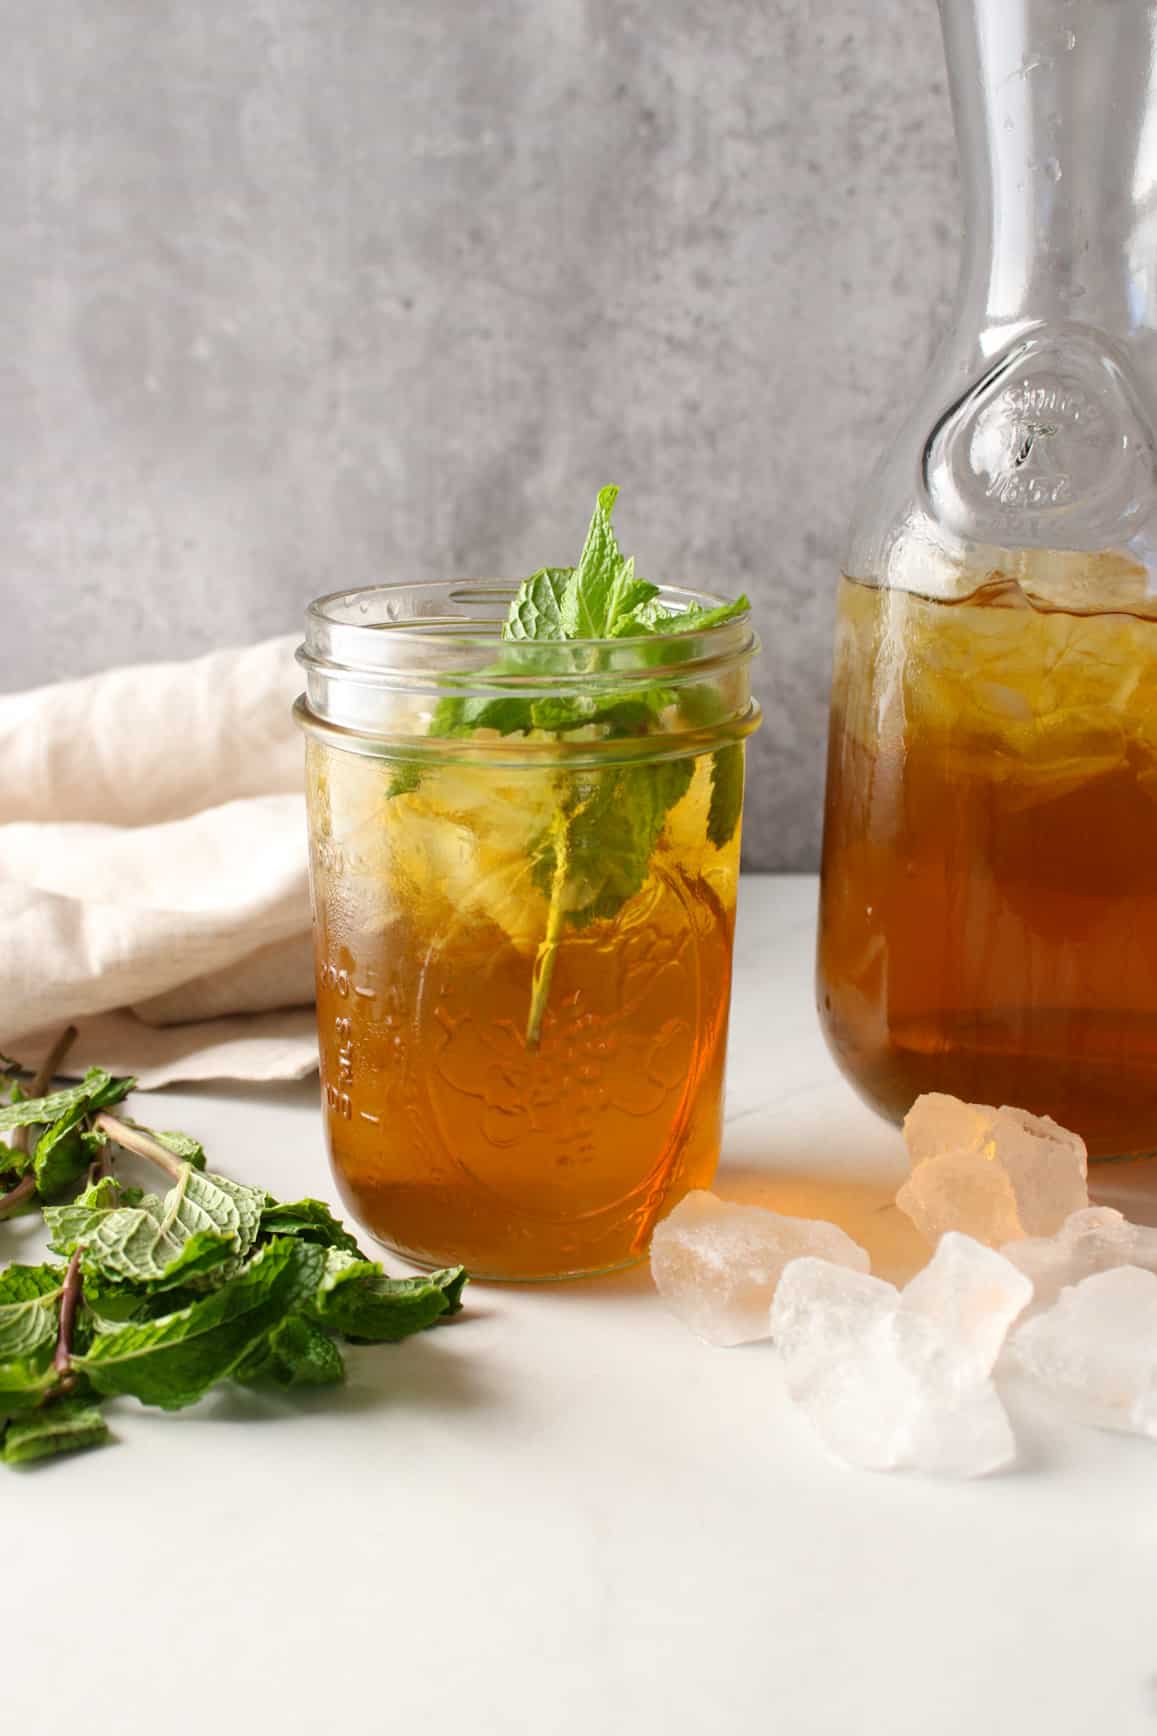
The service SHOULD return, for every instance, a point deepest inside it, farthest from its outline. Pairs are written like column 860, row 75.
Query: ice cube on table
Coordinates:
column 995, row 1174
column 1094, row 1240
column 895, row 1379
column 971, row 1294
column 1095, row 1350
column 716, row 1263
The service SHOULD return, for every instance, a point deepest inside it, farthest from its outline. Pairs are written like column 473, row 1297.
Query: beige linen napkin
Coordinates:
column 153, row 878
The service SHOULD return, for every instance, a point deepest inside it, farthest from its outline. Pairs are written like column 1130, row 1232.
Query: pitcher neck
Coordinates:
column 1056, row 118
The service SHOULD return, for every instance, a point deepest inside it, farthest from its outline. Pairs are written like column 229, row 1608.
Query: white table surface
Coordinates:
column 564, row 1514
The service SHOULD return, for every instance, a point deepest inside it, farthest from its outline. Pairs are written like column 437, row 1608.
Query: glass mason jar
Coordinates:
column 989, row 889
column 523, row 940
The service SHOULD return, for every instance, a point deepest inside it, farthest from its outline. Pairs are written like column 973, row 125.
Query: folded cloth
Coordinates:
column 153, row 867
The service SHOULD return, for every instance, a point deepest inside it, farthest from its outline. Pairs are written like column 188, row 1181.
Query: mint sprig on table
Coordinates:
column 595, row 853
column 160, row 1297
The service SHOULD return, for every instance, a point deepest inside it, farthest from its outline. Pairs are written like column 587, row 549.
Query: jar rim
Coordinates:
column 378, row 660
column 386, row 638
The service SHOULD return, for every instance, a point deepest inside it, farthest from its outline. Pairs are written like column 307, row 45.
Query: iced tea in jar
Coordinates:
column 525, row 861
column 989, row 886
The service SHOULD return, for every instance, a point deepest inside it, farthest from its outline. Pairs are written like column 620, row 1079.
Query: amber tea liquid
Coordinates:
column 451, row 1136
column 989, row 887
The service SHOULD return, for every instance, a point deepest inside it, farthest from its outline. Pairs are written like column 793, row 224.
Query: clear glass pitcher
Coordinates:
column 988, row 919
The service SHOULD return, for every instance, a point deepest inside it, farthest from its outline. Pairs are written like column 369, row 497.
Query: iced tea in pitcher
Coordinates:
column 989, row 902
column 989, row 887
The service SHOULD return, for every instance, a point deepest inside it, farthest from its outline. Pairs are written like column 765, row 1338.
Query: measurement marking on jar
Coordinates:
column 366, row 1116
column 343, row 1031
column 366, row 994
column 339, row 1102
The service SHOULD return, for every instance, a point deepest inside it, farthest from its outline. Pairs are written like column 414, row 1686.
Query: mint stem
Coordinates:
column 135, row 1139
column 99, row 1170
column 543, row 972
column 544, row 958
column 69, row 1301
column 11, row 1202
column 43, row 1078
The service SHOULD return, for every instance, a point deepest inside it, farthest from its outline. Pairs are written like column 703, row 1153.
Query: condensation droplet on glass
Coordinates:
column 1069, row 41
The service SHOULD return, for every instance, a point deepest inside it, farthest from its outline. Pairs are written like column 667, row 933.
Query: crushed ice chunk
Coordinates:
column 995, row 1174
column 902, row 1379
column 972, row 1295
column 716, row 1264
column 1094, row 1240
column 1095, row 1350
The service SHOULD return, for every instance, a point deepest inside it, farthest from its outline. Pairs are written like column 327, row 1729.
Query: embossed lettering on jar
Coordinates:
column 454, row 1132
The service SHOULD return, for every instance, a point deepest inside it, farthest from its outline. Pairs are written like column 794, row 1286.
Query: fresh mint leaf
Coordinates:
column 112, row 1304
column 536, row 610
column 726, row 804
column 295, row 1353
column 207, row 1253
column 406, row 777
column 458, row 717
column 70, row 1224
column 312, row 1220
column 356, row 1298
column 596, row 854
column 64, row 1151
column 182, row 1145
column 14, row 1163
column 648, row 616
column 452, row 1281
column 97, row 1090
column 614, row 819
column 20, row 1284
column 29, row 1309
column 26, row 1382
column 604, row 587
column 66, row 1426
column 696, row 619
column 634, row 715
column 652, row 618
column 148, row 1243
column 173, row 1361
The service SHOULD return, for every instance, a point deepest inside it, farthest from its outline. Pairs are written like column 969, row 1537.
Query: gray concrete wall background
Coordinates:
column 303, row 293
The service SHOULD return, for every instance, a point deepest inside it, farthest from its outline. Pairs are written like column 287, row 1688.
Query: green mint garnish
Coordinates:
column 29, row 1306
column 726, row 795
column 97, row 1090
column 165, row 1295
column 596, row 852
column 67, row 1426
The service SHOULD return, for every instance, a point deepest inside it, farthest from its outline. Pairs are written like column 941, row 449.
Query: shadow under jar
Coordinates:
column 523, row 940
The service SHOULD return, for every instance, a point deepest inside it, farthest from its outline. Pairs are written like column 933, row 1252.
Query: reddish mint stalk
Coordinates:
column 16, row 1197
column 43, row 1078
column 133, row 1139
column 69, row 1301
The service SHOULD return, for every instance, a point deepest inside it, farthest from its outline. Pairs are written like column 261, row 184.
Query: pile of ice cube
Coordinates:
column 1026, row 1276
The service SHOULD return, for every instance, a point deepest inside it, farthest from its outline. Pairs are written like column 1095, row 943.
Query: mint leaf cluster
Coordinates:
column 160, row 1297
column 563, row 622
column 558, row 624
